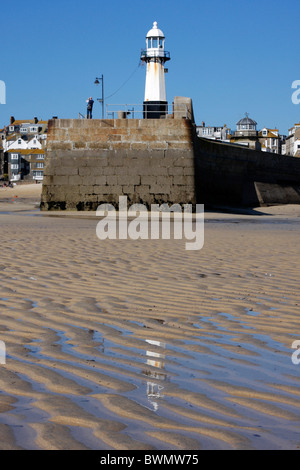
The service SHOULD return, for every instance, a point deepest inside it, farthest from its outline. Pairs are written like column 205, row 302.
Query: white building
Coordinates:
column 270, row 140
column 221, row 133
column 24, row 135
column 24, row 145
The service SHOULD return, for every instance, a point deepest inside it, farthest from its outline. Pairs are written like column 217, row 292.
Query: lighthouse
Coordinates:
column 155, row 56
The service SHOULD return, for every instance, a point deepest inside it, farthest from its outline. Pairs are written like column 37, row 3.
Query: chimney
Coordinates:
column 203, row 124
column 12, row 119
column 35, row 120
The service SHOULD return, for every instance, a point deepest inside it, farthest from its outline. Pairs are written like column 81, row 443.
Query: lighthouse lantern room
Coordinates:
column 155, row 56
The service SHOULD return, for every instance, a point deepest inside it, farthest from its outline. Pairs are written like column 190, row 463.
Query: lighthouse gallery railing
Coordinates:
column 146, row 54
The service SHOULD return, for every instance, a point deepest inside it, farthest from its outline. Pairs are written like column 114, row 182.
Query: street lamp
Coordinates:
column 101, row 100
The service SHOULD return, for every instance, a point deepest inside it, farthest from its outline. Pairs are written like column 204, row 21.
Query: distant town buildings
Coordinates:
column 293, row 141
column 247, row 135
column 213, row 133
column 23, row 149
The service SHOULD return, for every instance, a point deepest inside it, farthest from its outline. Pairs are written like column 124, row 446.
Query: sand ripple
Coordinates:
column 144, row 345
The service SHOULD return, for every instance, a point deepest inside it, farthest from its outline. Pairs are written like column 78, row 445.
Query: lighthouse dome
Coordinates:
column 155, row 32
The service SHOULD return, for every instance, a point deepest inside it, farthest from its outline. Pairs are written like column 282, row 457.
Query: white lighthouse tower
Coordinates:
column 155, row 56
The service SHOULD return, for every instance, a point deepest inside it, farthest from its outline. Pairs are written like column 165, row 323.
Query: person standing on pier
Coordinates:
column 90, row 103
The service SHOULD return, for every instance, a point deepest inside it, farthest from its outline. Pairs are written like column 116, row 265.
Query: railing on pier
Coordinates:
column 138, row 111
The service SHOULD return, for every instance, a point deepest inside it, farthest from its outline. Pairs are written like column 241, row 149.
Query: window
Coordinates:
column 19, row 141
column 149, row 43
column 40, row 157
column 14, row 156
column 37, row 173
column 14, row 166
column 33, row 129
column 154, row 42
column 161, row 43
column 40, row 165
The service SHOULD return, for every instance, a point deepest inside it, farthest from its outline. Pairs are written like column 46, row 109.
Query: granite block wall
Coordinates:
column 89, row 162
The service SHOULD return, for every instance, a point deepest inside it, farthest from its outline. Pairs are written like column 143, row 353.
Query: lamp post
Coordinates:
column 101, row 100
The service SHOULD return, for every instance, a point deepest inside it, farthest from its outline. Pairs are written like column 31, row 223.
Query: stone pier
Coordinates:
column 90, row 162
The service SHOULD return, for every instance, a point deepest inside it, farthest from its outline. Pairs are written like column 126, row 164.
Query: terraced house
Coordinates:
column 24, row 144
column 25, row 164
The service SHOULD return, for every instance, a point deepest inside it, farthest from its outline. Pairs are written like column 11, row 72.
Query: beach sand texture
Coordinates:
column 122, row 344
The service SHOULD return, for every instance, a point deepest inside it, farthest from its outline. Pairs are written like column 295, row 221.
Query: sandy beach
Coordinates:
column 122, row 344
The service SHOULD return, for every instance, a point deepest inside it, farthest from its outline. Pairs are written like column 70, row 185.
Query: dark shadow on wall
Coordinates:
column 229, row 176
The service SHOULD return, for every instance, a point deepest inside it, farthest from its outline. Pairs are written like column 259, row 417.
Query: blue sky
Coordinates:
column 230, row 57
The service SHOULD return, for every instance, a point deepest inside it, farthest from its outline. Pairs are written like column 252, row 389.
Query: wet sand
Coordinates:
column 122, row 344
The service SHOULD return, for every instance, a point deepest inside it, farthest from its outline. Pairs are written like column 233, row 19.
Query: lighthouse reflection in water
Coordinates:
column 155, row 360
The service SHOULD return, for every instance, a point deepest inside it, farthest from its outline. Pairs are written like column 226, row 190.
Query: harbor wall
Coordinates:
column 231, row 175
column 90, row 162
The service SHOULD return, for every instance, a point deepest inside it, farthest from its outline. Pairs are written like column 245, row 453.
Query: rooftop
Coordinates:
column 27, row 151
column 19, row 122
column 246, row 121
